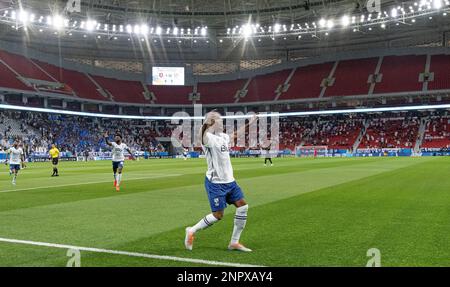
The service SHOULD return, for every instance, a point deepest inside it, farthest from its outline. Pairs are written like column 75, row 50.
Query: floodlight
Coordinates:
column 247, row 31
column 144, row 29
column 437, row 4
column 345, row 21
column 129, row 29
column 322, row 23
column 90, row 25
column 330, row 24
column 394, row 12
column 58, row 22
column 23, row 16
column 137, row 29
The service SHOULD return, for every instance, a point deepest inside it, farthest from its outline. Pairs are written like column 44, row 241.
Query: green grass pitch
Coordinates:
column 303, row 212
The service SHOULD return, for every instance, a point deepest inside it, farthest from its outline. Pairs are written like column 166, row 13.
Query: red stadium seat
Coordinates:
column 391, row 133
column 220, row 92
column 25, row 67
column 305, row 83
column 437, row 133
column 9, row 80
column 172, row 94
column 262, row 88
column 121, row 90
column 351, row 77
column 79, row 82
column 401, row 74
column 440, row 66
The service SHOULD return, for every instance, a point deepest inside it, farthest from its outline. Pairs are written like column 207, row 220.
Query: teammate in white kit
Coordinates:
column 185, row 153
column 118, row 157
column 220, row 185
column 16, row 158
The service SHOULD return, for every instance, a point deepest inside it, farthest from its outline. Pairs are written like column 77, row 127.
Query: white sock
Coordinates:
column 119, row 178
column 205, row 222
column 240, row 219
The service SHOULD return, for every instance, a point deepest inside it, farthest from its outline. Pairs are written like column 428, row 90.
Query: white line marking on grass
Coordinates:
column 84, row 183
column 126, row 253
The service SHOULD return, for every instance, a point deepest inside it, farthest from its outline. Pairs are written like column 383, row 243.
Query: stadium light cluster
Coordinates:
column 406, row 14
column 324, row 25
column 25, row 19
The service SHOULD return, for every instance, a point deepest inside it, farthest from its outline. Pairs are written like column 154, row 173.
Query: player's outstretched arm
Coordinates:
column 206, row 125
column 106, row 138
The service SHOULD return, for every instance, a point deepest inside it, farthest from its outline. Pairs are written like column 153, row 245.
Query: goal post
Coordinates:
column 311, row 151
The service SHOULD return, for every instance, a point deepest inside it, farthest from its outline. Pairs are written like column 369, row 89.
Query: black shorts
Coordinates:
column 55, row 160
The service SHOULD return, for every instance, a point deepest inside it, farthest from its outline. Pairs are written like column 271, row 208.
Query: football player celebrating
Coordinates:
column 16, row 158
column 220, row 184
column 118, row 157
column 185, row 153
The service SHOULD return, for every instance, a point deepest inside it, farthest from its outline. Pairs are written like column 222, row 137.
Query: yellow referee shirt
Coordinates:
column 54, row 152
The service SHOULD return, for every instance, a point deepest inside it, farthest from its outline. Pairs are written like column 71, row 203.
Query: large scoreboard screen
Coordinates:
column 168, row 76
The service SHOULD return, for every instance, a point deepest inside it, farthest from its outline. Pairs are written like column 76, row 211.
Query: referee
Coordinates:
column 54, row 154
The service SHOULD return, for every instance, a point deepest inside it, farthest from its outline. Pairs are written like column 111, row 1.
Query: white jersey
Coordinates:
column 118, row 151
column 218, row 158
column 15, row 155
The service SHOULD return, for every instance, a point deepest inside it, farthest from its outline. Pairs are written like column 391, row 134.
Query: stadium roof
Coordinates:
column 219, row 16
column 214, row 13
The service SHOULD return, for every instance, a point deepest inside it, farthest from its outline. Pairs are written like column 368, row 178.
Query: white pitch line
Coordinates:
column 126, row 253
column 82, row 183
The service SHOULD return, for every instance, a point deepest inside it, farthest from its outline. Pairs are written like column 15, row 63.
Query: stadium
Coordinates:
column 335, row 118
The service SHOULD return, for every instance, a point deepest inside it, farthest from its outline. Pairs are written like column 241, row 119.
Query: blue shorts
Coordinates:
column 219, row 194
column 14, row 166
column 117, row 164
